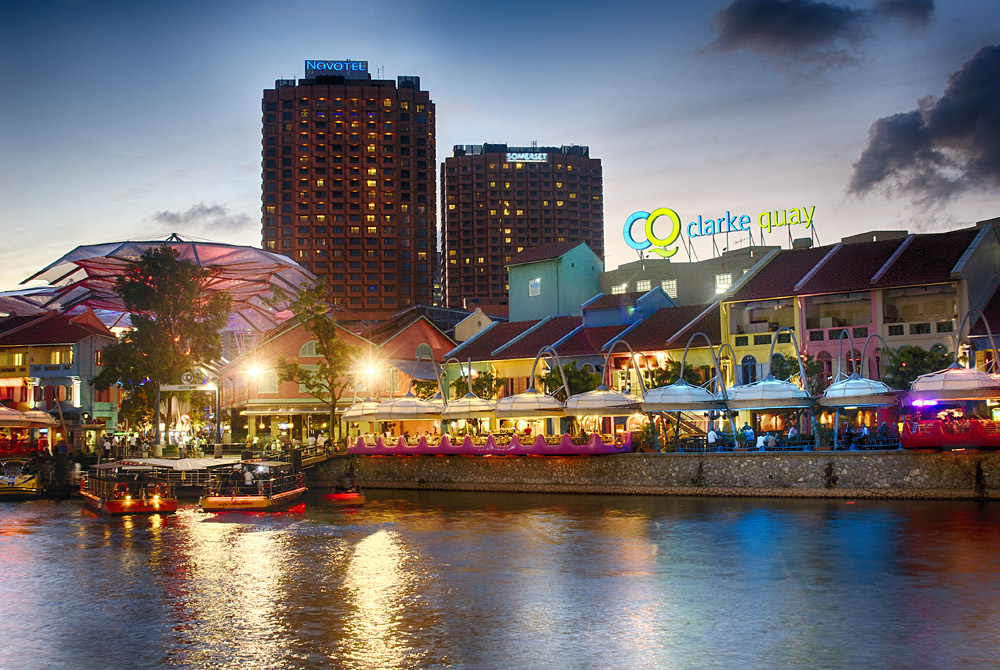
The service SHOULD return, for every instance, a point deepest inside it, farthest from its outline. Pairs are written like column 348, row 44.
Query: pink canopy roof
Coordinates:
column 85, row 277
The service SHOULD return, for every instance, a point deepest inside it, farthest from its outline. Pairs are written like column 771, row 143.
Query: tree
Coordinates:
column 176, row 319
column 137, row 409
column 485, row 385
column 909, row 362
column 669, row 374
column 580, row 381
column 424, row 388
column 786, row 367
column 329, row 379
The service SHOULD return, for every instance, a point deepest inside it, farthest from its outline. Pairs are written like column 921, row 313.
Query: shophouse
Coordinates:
column 49, row 362
column 554, row 280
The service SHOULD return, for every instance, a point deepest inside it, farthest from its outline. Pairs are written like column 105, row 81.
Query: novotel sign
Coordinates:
column 705, row 227
column 344, row 68
column 526, row 157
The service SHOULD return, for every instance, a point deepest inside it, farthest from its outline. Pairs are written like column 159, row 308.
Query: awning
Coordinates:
column 422, row 370
column 284, row 410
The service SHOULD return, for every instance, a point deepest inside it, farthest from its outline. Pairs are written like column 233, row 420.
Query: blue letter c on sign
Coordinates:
column 629, row 240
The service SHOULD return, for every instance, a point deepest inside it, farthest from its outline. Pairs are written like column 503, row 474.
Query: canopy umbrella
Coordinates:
column 955, row 383
column 768, row 393
column 602, row 401
column 857, row 391
column 40, row 418
column 529, row 405
column 407, row 408
column 470, row 406
column 85, row 277
column 11, row 418
column 681, row 397
column 361, row 411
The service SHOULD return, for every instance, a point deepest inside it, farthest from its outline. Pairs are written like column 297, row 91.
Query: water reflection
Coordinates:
column 427, row 580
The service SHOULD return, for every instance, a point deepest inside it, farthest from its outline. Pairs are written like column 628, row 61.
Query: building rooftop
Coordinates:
column 480, row 346
column 850, row 267
column 664, row 324
column 779, row 277
column 927, row 259
column 549, row 252
column 547, row 332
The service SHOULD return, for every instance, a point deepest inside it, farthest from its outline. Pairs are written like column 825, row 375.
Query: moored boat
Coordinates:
column 252, row 486
column 128, row 488
column 19, row 479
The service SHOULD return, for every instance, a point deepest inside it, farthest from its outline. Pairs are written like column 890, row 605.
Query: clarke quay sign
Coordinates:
column 703, row 227
column 351, row 69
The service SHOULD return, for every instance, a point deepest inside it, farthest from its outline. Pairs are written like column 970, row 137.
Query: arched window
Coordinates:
column 308, row 350
column 824, row 359
column 424, row 351
column 748, row 370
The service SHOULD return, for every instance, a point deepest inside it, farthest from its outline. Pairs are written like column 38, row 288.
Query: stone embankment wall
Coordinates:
column 886, row 474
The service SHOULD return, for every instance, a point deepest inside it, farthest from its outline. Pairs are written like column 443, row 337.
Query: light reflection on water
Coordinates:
column 435, row 580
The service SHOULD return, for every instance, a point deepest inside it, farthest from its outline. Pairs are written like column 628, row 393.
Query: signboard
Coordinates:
column 188, row 387
column 350, row 69
column 526, row 157
column 705, row 227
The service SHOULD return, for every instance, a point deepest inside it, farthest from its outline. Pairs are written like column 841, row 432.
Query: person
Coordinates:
column 107, row 448
column 761, row 442
column 712, row 438
column 748, row 435
column 793, row 433
column 248, row 478
column 771, row 441
column 321, row 440
column 864, row 434
column 883, row 432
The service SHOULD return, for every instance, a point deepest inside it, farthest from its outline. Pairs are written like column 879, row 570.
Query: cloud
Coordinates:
column 910, row 12
column 947, row 146
column 205, row 217
column 805, row 32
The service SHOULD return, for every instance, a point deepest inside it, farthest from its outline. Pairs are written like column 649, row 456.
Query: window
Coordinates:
column 643, row 285
column 748, row 369
column 308, row 350
column 535, row 286
column 669, row 287
column 896, row 330
column 618, row 289
column 723, row 281
column 920, row 328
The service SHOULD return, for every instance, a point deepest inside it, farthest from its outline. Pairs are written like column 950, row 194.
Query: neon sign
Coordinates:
column 347, row 68
column 703, row 227
column 526, row 157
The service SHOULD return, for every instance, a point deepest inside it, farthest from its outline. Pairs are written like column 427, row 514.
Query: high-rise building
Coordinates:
column 349, row 172
column 497, row 201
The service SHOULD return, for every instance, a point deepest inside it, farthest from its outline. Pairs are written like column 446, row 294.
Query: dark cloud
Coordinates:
column 797, row 32
column 816, row 31
column 945, row 147
column 205, row 217
column 910, row 12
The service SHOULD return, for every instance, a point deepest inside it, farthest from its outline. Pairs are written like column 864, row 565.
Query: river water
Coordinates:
column 460, row 580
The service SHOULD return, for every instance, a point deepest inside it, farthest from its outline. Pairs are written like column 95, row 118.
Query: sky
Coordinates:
column 134, row 119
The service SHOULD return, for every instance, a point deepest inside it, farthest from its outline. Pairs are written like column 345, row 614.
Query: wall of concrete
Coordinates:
column 895, row 474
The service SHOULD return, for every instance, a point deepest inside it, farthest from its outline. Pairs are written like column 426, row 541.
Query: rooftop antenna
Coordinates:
column 534, row 144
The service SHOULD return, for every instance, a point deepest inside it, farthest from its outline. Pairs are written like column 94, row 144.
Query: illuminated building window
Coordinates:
column 669, row 287
column 723, row 281
column 643, row 285
column 535, row 286
column 618, row 289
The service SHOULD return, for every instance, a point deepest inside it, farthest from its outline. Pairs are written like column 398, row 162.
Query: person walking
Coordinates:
column 711, row 439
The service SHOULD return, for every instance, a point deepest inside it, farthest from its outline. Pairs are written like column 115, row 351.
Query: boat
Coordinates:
column 124, row 487
column 347, row 493
column 252, row 486
column 19, row 479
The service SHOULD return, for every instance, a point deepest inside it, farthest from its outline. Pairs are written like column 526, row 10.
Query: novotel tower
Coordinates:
column 349, row 174
column 497, row 201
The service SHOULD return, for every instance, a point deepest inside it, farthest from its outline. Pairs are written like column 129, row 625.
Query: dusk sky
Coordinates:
column 133, row 120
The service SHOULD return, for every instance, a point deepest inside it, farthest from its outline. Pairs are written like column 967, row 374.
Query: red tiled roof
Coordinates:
column 652, row 333
column 52, row 328
column 615, row 300
column 588, row 341
column 532, row 254
column 779, row 277
column 851, row 267
column 710, row 323
column 546, row 333
column 928, row 259
column 480, row 347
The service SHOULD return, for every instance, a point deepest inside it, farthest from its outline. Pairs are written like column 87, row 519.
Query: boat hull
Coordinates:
column 250, row 503
column 121, row 506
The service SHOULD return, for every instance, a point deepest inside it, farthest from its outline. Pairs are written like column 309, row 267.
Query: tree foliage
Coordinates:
column 485, row 385
column 787, row 367
column 669, row 374
column 580, row 381
column 425, row 388
column 329, row 378
column 909, row 362
column 137, row 409
column 176, row 321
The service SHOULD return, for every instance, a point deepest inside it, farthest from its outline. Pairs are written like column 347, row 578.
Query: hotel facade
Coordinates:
column 498, row 200
column 349, row 183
